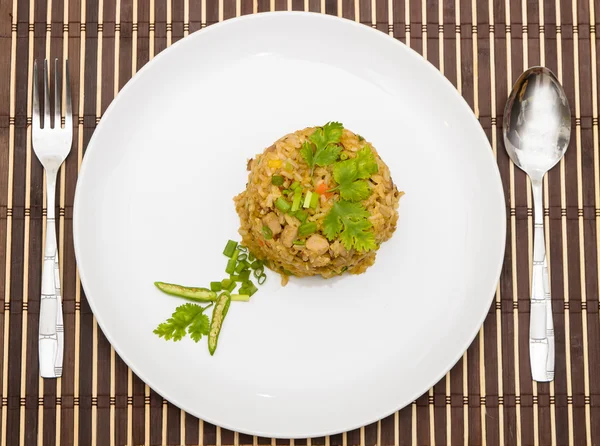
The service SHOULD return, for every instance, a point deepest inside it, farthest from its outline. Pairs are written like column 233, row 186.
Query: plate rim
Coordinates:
column 501, row 204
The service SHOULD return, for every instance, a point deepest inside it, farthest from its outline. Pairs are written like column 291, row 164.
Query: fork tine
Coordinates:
column 47, row 123
column 36, row 124
column 57, row 95
column 68, row 106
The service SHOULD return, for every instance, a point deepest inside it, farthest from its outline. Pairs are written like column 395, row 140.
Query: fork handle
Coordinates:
column 541, row 325
column 51, row 330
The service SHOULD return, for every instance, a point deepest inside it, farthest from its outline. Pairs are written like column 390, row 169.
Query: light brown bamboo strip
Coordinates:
column 498, row 297
column 9, row 205
column 113, row 378
column 565, row 247
column 513, row 241
column 80, row 113
column 582, row 271
column 594, row 77
column 25, row 313
column 94, row 367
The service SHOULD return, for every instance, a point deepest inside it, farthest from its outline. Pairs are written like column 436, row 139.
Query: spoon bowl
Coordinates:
column 537, row 122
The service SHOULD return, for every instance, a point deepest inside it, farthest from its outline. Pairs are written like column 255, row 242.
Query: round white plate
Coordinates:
column 154, row 202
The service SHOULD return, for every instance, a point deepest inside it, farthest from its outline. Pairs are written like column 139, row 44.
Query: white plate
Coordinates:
column 154, row 202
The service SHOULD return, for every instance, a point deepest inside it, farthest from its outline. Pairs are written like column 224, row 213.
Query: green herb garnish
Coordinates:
column 351, row 175
column 277, row 180
column 188, row 318
column 322, row 149
column 351, row 222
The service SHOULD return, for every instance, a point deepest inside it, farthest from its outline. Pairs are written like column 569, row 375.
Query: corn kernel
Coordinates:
column 274, row 164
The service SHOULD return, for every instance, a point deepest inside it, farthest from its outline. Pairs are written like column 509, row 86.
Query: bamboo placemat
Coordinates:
column 481, row 46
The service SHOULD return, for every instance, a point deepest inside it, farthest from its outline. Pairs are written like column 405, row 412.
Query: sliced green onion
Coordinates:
column 258, row 272
column 235, row 255
column 216, row 286
column 261, row 279
column 277, row 180
column 244, row 275
column 240, row 298
column 267, row 233
column 307, row 199
column 242, row 256
column 302, row 216
column 314, row 200
column 343, row 156
column 230, row 248
column 251, row 257
column 225, row 283
column 288, row 166
column 286, row 191
column 307, row 228
column 294, row 185
column 299, row 242
column 297, row 199
column 257, row 264
column 242, row 248
column 231, row 287
column 231, row 264
column 282, row 205
column 241, row 266
column 248, row 288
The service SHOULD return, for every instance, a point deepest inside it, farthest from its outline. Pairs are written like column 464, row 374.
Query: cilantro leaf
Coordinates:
column 188, row 318
column 366, row 164
column 346, row 176
column 325, row 140
column 351, row 222
column 328, row 155
column 307, row 153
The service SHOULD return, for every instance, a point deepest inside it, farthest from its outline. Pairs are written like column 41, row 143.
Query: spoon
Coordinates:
column 537, row 129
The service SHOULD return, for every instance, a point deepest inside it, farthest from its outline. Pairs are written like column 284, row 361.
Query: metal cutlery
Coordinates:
column 51, row 144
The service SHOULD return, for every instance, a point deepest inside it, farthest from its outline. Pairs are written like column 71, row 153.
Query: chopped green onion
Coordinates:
column 216, row 286
column 242, row 256
column 262, row 279
column 297, row 199
column 231, row 264
column 248, row 288
column 307, row 228
column 244, row 275
column 225, row 283
column 258, row 272
column 240, row 298
column 307, row 199
column 235, row 278
column 241, row 266
column 314, row 200
column 286, row 191
column 343, row 156
column 231, row 287
column 277, row 180
column 302, row 216
column 282, row 205
column 267, row 233
column 235, row 255
column 251, row 257
column 288, row 166
column 299, row 242
column 242, row 248
column 257, row 264
column 230, row 248
column 294, row 185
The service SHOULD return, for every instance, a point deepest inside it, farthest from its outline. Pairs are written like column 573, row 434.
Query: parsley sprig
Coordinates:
column 187, row 319
column 351, row 175
column 351, row 222
column 323, row 148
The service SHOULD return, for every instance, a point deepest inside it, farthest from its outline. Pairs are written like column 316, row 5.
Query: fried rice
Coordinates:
column 272, row 234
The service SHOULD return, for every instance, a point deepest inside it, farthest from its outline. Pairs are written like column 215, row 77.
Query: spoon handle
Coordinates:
column 541, row 325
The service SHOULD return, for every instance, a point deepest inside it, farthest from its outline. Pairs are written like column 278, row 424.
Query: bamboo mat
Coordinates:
column 481, row 46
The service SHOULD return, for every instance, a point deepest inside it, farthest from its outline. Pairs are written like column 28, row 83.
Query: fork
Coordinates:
column 51, row 146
